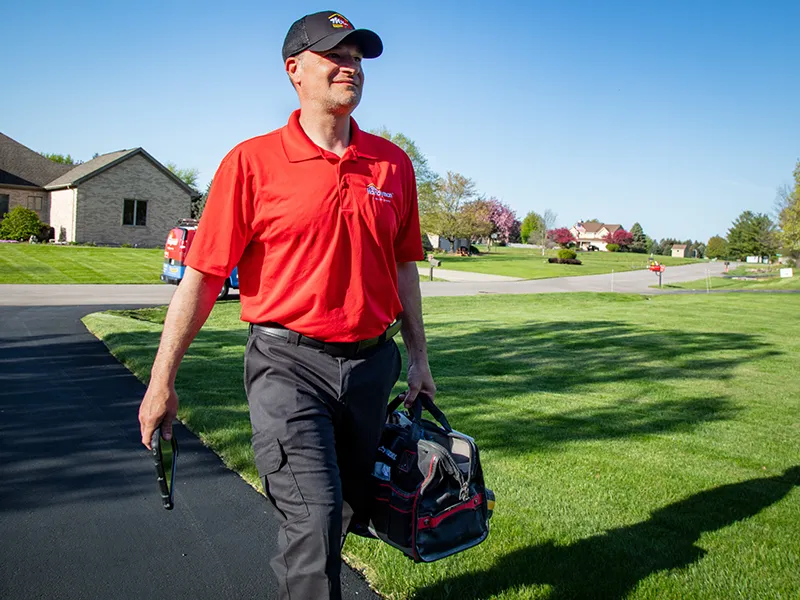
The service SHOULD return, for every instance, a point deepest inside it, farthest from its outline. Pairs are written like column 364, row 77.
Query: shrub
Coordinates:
column 20, row 224
column 46, row 233
column 612, row 247
column 566, row 253
column 565, row 261
column 127, row 245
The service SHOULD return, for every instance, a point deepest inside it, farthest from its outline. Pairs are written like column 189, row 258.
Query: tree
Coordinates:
column 789, row 215
column 61, row 158
column 188, row 176
column 443, row 216
column 427, row 181
column 639, row 243
column 620, row 238
column 698, row 249
column 474, row 220
column 752, row 234
column 530, row 224
column 20, row 224
column 561, row 236
column 419, row 161
column 502, row 219
column 515, row 236
column 548, row 222
column 199, row 202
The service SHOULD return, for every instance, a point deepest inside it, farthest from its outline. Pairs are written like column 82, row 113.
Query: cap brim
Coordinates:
column 368, row 41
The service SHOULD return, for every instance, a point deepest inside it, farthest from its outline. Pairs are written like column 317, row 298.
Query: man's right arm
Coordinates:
column 190, row 306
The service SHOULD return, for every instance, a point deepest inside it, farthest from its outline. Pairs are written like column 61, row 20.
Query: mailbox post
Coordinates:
column 433, row 263
column 659, row 269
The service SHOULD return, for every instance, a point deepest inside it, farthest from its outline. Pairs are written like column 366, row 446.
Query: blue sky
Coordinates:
column 678, row 115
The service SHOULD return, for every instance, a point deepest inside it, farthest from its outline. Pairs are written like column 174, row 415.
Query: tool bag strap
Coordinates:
column 423, row 401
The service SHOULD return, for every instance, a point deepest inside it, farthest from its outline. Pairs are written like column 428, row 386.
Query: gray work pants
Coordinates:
column 316, row 426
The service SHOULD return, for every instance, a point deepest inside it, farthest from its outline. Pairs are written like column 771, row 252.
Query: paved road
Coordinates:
column 636, row 282
column 633, row 282
column 80, row 515
column 461, row 276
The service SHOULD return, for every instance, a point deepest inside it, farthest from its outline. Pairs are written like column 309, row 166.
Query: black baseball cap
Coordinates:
column 325, row 30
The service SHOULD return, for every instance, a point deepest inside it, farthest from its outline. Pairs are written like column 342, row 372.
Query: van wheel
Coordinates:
column 223, row 293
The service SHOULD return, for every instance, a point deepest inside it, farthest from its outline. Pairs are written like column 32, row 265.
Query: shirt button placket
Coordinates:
column 345, row 198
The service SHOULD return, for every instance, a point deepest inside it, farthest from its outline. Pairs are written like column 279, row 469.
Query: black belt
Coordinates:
column 338, row 349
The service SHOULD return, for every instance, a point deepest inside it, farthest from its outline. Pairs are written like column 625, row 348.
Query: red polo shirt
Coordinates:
column 316, row 237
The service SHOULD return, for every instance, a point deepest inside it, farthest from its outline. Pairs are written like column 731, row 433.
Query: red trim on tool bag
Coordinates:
column 414, row 509
column 431, row 522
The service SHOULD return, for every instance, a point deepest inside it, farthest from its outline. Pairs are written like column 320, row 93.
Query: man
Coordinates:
column 322, row 220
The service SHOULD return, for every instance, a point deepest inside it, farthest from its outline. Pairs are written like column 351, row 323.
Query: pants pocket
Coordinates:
column 280, row 484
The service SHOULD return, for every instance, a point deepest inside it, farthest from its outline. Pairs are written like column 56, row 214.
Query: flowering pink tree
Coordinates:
column 620, row 237
column 561, row 236
column 502, row 218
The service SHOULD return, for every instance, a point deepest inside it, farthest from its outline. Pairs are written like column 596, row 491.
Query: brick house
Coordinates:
column 592, row 234
column 679, row 251
column 124, row 197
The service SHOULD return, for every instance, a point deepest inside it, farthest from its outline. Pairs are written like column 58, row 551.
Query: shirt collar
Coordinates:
column 299, row 147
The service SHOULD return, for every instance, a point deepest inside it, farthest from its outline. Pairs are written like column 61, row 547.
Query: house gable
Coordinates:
column 101, row 203
column 94, row 167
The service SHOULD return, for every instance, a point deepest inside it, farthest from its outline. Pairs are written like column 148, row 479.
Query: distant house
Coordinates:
column 590, row 236
column 679, row 251
column 438, row 242
column 124, row 197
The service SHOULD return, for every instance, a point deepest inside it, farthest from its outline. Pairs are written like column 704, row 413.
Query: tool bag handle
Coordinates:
column 422, row 401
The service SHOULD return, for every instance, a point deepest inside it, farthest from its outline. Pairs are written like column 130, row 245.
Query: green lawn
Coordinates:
column 644, row 448
column 530, row 264
column 771, row 283
column 47, row 263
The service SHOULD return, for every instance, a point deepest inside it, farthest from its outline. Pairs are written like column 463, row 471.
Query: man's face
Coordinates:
column 332, row 80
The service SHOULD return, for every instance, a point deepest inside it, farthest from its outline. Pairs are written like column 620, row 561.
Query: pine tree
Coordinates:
column 639, row 243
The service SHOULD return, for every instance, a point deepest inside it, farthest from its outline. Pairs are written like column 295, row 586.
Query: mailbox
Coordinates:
column 433, row 262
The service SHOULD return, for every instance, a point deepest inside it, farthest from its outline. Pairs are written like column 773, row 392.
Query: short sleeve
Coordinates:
column 408, row 243
column 225, row 227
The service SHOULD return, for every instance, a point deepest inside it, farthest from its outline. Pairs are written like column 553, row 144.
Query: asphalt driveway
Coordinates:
column 80, row 514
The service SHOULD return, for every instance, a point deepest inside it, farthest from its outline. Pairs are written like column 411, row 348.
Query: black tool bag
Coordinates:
column 429, row 497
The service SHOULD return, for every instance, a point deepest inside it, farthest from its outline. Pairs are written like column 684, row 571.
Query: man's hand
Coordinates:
column 159, row 408
column 190, row 306
column 419, row 380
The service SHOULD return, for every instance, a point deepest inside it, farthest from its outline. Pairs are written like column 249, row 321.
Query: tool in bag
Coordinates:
column 429, row 498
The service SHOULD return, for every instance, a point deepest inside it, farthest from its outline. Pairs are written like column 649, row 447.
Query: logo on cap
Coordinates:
column 339, row 22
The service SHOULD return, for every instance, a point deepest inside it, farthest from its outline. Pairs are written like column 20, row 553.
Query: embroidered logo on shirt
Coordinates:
column 377, row 194
column 339, row 22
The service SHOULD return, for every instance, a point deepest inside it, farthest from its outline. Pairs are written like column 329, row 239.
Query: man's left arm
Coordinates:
column 413, row 332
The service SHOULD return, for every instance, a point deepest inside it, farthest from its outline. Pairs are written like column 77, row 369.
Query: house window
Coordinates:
column 134, row 212
column 35, row 202
column 3, row 204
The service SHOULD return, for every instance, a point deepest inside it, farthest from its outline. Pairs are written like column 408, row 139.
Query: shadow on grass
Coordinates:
column 585, row 358
column 479, row 366
column 611, row 564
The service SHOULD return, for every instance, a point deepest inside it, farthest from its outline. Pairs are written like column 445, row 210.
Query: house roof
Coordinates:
column 97, row 165
column 595, row 227
column 19, row 165
column 679, row 246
